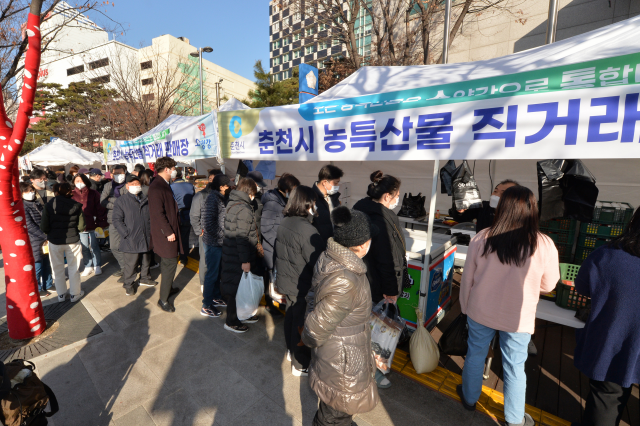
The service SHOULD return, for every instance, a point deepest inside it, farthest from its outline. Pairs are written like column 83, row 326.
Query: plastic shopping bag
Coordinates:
column 386, row 327
column 454, row 338
column 423, row 349
column 466, row 194
column 249, row 294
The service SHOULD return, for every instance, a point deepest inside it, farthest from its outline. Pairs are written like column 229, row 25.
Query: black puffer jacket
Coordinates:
column 131, row 219
column 62, row 221
column 213, row 216
column 240, row 241
column 108, row 196
column 33, row 217
column 298, row 247
column 322, row 220
column 385, row 260
column 273, row 204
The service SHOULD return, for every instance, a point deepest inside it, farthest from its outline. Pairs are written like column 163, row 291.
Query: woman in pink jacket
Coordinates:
column 507, row 267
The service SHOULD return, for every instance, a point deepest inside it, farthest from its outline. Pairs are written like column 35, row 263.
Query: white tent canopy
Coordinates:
column 60, row 153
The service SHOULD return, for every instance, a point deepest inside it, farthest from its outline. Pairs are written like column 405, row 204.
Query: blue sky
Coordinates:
column 237, row 31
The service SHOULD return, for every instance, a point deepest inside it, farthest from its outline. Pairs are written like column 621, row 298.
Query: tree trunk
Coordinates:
column 25, row 316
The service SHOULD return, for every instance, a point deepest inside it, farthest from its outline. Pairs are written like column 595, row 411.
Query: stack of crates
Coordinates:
column 609, row 220
column 562, row 231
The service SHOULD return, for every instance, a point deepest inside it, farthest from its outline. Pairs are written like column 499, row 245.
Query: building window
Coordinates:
column 276, row 27
column 148, row 97
column 286, row 74
column 99, row 63
column 296, row 36
column 335, row 42
column 286, row 57
column 297, row 16
column 321, row 65
column 308, row 11
column 102, row 79
column 323, row 45
column 277, row 44
column 75, row 70
column 145, row 65
column 296, row 53
column 308, row 31
column 308, row 50
column 147, row 81
column 286, row 41
column 322, row 27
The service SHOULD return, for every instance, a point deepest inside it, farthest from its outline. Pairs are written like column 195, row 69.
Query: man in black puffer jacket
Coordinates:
column 131, row 219
column 110, row 193
column 213, row 218
column 33, row 217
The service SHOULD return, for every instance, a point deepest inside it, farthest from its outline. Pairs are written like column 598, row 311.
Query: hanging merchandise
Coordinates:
column 423, row 349
column 413, row 206
column 566, row 188
column 386, row 327
column 446, row 178
column 466, row 194
column 454, row 339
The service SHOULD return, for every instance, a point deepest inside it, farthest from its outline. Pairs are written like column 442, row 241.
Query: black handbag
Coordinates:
column 454, row 339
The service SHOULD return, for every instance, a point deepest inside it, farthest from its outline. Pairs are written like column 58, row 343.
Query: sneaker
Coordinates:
column 299, row 373
column 236, row 328
column 87, row 271
column 77, row 297
column 210, row 312
column 219, row 303
column 61, row 298
column 131, row 291
column 148, row 283
column 289, row 356
column 154, row 266
column 97, row 271
column 526, row 421
column 121, row 280
column 251, row 320
column 118, row 273
column 44, row 293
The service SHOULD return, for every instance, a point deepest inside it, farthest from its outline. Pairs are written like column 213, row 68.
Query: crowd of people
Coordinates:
column 331, row 265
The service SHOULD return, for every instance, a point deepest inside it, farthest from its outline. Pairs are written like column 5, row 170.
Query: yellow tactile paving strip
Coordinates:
column 491, row 402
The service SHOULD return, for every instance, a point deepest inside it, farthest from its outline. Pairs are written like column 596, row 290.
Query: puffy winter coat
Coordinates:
column 273, row 204
column 33, row 217
column 298, row 247
column 196, row 214
column 94, row 214
column 342, row 366
column 240, row 241
column 48, row 194
column 131, row 219
column 109, row 195
column 62, row 221
column 385, row 260
column 322, row 220
column 213, row 217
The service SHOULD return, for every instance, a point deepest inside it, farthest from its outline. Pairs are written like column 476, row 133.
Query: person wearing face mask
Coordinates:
column 39, row 181
column 326, row 189
column 239, row 250
column 62, row 221
column 386, row 261
column 213, row 217
column 484, row 215
column 110, row 193
column 38, row 239
column 338, row 323
column 95, row 215
column 297, row 248
column 165, row 228
column 131, row 218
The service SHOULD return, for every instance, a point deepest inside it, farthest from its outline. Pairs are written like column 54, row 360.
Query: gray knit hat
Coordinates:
column 351, row 228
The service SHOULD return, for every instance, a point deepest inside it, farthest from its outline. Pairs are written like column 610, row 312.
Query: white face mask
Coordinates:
column 80, row 185
column 119, row 178
column 39, row 184
column 333, row 190
column 135, row 190
column 311, row 212
column 493, row 201
column 395, row 203
column 174, row 173
column 368, row 248
column 30, row 196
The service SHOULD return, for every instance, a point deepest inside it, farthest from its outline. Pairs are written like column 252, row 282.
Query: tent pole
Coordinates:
column 552, row 22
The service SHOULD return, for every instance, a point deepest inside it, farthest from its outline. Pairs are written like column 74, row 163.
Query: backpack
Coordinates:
column 23, row 397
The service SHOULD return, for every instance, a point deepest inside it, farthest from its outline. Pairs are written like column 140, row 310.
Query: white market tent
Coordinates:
column 61, row 153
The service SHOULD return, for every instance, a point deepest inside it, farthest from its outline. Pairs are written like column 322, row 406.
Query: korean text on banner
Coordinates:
column 584, row 110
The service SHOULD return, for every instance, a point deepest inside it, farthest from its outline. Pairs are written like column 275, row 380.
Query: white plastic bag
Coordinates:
column 424, row 351
column 386, row 327
column 273, row 289
column 249, row 294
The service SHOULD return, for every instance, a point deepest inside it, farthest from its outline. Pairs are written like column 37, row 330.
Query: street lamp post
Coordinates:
column 198, row 55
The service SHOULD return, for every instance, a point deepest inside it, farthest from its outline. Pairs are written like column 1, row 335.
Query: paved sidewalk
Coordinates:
column 154, row 368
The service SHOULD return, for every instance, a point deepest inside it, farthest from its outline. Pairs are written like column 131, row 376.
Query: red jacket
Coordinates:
column 94, row 214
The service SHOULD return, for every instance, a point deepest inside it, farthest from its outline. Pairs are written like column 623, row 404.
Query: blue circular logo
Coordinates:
column 235, row 126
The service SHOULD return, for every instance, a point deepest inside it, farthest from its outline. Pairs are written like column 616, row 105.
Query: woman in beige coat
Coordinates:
column 342, row 367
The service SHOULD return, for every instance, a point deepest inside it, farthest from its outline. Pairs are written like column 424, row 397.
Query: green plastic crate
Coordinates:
column 564, row 252
column 566, row 295
column 601, row 230
column 592, row 241
column 605, row 212
column 560, row 237
column 558, row 224
column 582, row 253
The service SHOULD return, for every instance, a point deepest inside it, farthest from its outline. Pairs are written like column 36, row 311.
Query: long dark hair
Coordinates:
column 514, row 233
column 85, row 180
column 63, row 189
column 302, row 198
column 629, row 241
column 382, row 184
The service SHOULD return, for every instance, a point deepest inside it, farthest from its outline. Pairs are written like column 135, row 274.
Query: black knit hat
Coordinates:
column 351, row 228
column 219, row 181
